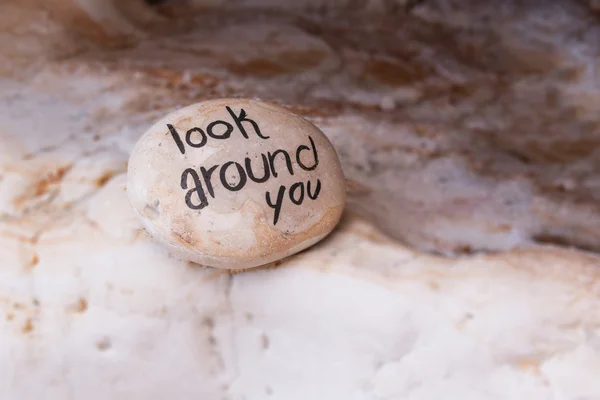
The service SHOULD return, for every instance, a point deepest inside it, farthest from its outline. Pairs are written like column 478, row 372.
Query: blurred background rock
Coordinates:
column 462, row 126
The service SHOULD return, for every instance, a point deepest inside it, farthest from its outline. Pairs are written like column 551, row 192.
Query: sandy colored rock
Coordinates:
column 236, row 183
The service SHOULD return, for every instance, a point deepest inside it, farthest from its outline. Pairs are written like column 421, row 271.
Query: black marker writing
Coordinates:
column 295, row 194
column 239, row 119
column 315, row 155
column 313, row 196
column 188, row 137
column 234, row 176
column 176, row 138
column 241, row 173
column 286, row 158
column 197, row 189
column 297, row 200
column 218, row 129
column 225, row 135
column 278, row 203
column 206, row 175
column 266, row 169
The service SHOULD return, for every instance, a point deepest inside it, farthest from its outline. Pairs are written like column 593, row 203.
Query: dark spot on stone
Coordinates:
column 212, row 341
column 265, row 342
column 81, row 305
column 208, row 322
column 104, row 344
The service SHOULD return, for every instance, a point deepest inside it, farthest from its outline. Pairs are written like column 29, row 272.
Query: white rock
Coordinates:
column 236, row 183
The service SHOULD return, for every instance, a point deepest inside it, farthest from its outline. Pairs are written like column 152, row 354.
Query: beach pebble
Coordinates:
column 235, row 183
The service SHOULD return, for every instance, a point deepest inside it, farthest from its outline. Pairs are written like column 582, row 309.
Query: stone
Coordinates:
column 235, row 183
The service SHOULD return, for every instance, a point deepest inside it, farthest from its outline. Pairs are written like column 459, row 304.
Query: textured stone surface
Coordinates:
column 235, row 183
column 462, row 127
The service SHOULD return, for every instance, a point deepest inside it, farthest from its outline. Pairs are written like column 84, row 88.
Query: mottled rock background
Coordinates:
column 463, row 127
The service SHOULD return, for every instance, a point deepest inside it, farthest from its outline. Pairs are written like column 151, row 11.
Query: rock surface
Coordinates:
column 462, row 128
column 235, row 184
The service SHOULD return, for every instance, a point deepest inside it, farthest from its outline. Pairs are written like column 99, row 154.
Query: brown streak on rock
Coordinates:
column 175, row 77
column 500, row 228
column 104, row 178
column 552, row 151
column 33, row 261
column 27, row 327
column 257, row 67
column 282, row 63
column 463, row 249
column 393, row 73
column 433, row 285
column 301, row 60
column 79, row 22
column 52, row 179
column 81, row 305
column 532, row 366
